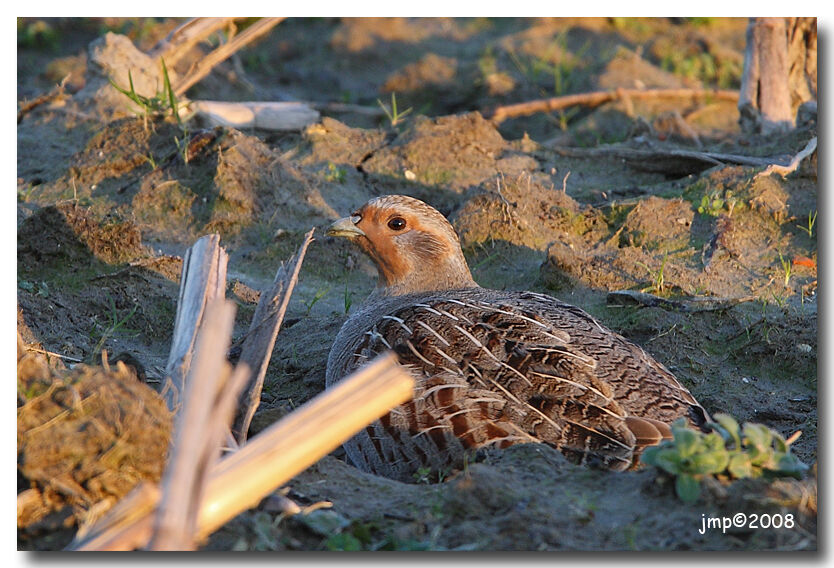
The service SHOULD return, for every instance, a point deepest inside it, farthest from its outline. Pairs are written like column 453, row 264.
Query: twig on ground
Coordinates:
column 45, row 352
column 596, row 98
column 783, row 171
column 55, row 93
column 672, row 161
column 622, row 298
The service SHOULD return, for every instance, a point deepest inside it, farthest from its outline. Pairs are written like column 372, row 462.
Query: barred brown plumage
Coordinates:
column 493, row 367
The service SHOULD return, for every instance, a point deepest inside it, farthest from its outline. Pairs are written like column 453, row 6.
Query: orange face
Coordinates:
column 403, row 236
column 397, row 239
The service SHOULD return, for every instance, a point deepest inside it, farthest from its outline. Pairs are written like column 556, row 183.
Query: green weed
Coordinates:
column 715, row 203
column 433, row 175
column 786, row 268
column 36, row 34
column 159, row 104
column 702, row 66
column 38, row 288
column 809, row 228
column 393, row 114
column 24, row 193
column 116, row 323
column 150, row 159
column 320, row 293
column 348, row 298
column 728, row 452
column 658, row 280
column 335, row 173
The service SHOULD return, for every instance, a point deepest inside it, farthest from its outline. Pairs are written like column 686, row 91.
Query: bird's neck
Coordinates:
column 448, row 273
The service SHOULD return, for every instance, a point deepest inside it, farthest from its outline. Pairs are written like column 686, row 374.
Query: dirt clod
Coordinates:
column 85, row 436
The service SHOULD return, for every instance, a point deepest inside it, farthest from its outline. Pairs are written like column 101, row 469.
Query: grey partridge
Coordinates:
column 493, row 367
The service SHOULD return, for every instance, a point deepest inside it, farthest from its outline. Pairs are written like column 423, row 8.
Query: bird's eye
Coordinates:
column 396, row 224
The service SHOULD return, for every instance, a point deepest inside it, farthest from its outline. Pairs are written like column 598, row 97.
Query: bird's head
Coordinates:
column 414, row 247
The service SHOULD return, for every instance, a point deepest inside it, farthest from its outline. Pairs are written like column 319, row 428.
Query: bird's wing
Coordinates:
column 509, row 375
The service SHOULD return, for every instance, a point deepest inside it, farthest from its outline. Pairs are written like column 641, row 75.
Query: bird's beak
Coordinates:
column 345, row 227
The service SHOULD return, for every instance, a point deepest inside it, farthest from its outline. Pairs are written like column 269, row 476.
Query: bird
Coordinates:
column 492, row 368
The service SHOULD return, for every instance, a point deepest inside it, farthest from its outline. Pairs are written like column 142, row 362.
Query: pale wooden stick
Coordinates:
column 299, row 440
column 260, row 340
column 596, row 98
column 794, row 165
column 55, row 93
column 186, row 36
column 272, row 116
column 273, row 457
column 223, row 52
column 127, row 526
column 221, row 415
column 44, row 352
column 203, row 279
column 194, row 444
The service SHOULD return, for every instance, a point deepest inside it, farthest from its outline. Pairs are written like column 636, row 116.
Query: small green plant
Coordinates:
column 434, row 175
column 786, row 268
column 159, row 104
column 703, row 66
column 38, row 288
column 115, row 324
column 36, row 34
column 335, row 173
column 150, row 159
column 183, row 144
column 701, row 22
column 658, row 280
column 728, row 452
column 348, row 297
column 320, row 293
column 809, row 228
column 427, row 476
column 24, row 193
column 393, row 114
column 422, row 475
column 714, row 203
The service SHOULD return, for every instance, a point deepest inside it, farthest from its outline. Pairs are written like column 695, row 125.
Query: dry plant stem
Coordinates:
column 53, row 354
column 195, row 442
column 596, row 98
column 223, row 52
column 273, row 457
column 186, row 36
column 126, row 526
column 260, row 339
column 622, row 298
column 294, row 443
column 669, row 161
column 55, row 93
column 783, row 171
column 203, row 279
